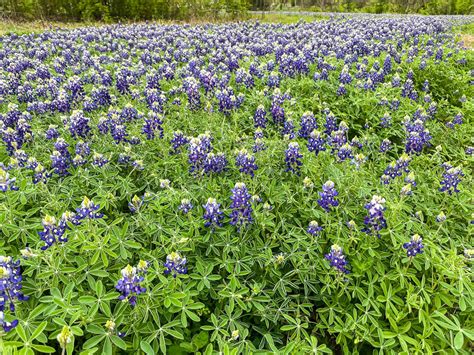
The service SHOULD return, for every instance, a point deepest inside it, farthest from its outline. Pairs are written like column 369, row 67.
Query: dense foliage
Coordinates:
column 237, row 188
column 109, row 10
column 373, row 6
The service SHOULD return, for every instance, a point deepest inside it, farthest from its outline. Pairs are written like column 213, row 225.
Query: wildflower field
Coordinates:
column 238, row 188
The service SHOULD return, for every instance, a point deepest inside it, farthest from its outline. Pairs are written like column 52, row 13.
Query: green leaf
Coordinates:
column 93, row 341
column 38, row 331
column 200, row 340
column 43, row 348
column 21, row 332
column 459, row 340
column 146, row 347
column 107, row 347
column 87, row 299
column 119, row 342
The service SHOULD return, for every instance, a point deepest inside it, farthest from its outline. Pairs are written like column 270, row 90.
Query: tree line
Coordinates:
column 434, row 7
column 115, row 10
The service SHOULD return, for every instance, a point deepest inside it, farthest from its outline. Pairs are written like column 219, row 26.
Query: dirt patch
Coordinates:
column 468, row 41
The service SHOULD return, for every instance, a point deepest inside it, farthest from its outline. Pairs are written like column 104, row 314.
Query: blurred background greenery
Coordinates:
column 116, row 10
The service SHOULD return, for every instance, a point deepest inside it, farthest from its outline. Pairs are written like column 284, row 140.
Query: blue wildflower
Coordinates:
column 451, row 178
column 375, row 220
column 175, row 264
column 185, row 206
column 337, row 259
column 414, row 246
column 212, row 214
column 88, row 210
column 241, row 214
column 10, row 290
column 293, row 158
column 314, row 228
column 130, row 283
column 327, row 196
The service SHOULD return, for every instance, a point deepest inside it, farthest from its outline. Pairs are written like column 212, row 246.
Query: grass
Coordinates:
column 286, row 19
column 467, row 34
column 24, row 27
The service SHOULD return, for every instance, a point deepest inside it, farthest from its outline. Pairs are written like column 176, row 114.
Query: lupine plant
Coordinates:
column 251, row 188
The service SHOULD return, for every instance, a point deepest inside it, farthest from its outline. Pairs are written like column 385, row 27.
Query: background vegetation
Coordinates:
column 113, row 10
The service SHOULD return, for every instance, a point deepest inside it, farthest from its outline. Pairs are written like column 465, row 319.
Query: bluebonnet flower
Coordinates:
column 273, row 80
column 99, row 160
column 165, row 183
column 316, row 143
column 330, row 124
column 288, row 130
column 138, row 164
column 314, row 228
column 178, row 140
column 396, row 80
column 241, row 214
column 259, row 117
column 432, row 109
column 293, row 158
column 358, row 160
column 78, row 161
column 344, row 76
column 386, row 120
column 60, row 163
column 79, row 124
column 212, row 214
column 130, row 284
column 341, row 90
column 258, row 134
column 197, row 153
column 308, row 124
column 175, row 264
column 259, row 145
column 6, row 182
column 417, row 136
column 394, row 104
column 51, row 233
column 385, row 146
column 337, row 139
column 308, row 183
column 10, row 290
column 185, row 206
column 191, row 87
column 214, row 163
column 246, row 162
column 414, row 246
column 451, row 178
column 328, row 196
column 40, row 175
column 83, row 149
column 337, row 259
column 135, row 204
column 409, row 91
column 153, row 123
column 396, row 168
column 410, row 179
column 458, row 119
column 441, row 217
column 345, row 152
column 88, row 210
column 387, row 64
column 356, row 143
column 406, row 190
column 375, row 220
column 52, row 132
